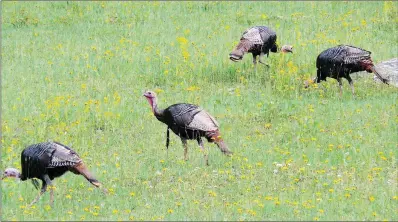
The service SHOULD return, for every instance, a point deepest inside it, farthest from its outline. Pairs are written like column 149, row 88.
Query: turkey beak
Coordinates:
column 97, row 184
column 4, row 177
column 234, row 58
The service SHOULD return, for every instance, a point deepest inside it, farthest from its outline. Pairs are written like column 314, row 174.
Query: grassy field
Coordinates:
column 75, row 73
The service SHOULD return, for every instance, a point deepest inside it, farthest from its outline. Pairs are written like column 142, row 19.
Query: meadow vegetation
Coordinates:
column 75, row 72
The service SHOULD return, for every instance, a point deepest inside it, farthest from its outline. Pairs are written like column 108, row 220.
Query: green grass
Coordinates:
column 75, row 73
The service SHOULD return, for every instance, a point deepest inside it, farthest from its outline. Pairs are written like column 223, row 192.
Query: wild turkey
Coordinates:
column 189, row 122
column 47, row 161
column 340, row 61
column 258, row 40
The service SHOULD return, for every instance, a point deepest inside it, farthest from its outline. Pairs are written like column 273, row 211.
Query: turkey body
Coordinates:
column 49, row 160
column 189, row 121
column 340, row 61
column 263, row 40
column 259, row 41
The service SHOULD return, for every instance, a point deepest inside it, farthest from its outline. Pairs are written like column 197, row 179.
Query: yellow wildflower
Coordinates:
column 212, row 193
column 157, row 90
column 182, row 40
column 192, row 88
column 268, row 198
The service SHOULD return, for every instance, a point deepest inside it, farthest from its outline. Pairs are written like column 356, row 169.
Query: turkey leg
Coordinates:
column 352, row 88
column 167, row 142
column 185, row 144
column 42, row 191
column 205, row 151
column 351, row 84
column 340, row 86
column 261, row 61
column 254, row 60
column 48, row 181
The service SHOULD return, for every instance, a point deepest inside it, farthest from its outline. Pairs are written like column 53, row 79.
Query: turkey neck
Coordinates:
column 18, row 176
column 157, row 112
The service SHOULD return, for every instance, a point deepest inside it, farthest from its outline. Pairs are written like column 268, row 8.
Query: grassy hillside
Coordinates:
column 75, row 73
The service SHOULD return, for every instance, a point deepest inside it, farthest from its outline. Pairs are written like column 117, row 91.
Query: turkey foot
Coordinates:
column 38, row 196
column 263, row 63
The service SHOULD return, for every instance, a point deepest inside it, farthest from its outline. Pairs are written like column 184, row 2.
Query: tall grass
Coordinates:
column 74, row 72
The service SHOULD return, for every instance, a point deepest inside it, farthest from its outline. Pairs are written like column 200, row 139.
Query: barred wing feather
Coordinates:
column 203, row 121
column 355, row 55
column 253, row 35
column 63, row 156
column 182, row 114
column 344, row 54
